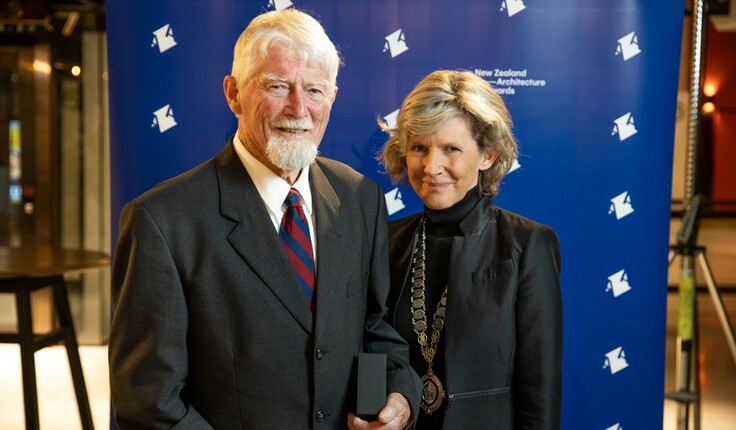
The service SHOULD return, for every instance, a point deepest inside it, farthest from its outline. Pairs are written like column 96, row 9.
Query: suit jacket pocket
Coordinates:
column 479, row 393
column 480, row 410
column 501, row 270
column 357, row 285
column 494, row 288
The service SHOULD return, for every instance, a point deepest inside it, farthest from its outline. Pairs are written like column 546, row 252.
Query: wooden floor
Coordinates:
column 718, row 369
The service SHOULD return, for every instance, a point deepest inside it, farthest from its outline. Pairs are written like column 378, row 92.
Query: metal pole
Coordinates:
column 718, row 303
column 694, row 115
column 686, row 353
column 685, row 333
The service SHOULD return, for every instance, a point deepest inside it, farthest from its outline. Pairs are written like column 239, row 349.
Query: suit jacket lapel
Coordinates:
column 254, row 238
column 331, row 247
column 467, row 257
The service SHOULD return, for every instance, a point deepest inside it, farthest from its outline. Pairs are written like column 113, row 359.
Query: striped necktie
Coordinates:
column 294, row 234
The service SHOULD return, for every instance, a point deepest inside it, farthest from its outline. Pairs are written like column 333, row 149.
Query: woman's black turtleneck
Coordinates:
column 441, row 226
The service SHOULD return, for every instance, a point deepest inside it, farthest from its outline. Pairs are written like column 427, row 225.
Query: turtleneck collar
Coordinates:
column 445, row 222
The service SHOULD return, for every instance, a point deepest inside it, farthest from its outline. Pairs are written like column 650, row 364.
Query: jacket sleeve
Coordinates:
column 379, row 336
column 148, row 339
column 538, row 367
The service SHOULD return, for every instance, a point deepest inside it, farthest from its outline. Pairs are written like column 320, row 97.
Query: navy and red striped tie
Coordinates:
column 295, row 238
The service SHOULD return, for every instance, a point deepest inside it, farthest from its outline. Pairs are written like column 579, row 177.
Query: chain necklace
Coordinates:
column 432, row 391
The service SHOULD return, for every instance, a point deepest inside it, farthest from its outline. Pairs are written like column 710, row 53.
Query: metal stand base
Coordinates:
column 686, row 362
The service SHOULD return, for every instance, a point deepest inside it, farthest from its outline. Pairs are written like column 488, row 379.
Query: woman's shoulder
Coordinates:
column 517, row 221
column 406, row 225
column 522, row 230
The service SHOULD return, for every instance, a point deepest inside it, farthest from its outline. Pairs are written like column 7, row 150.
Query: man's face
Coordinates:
column 282, row 111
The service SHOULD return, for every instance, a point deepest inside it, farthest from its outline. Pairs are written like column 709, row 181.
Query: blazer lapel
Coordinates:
column 467, row 256
column 254, row 238
column 331, row 247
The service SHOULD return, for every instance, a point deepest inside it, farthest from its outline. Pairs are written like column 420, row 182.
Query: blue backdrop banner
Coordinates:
column 591, row 86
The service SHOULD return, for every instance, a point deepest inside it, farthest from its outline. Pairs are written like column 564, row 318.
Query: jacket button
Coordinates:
column 319, row 416
column 319, row 354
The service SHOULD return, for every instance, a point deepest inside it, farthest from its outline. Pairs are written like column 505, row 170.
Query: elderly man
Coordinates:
column 245, row 288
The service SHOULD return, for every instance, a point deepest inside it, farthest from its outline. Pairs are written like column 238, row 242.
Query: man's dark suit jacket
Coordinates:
column 210, row 327
column 503, row 326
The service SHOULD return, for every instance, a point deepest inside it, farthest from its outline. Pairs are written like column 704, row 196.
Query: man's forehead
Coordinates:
column 289, row 67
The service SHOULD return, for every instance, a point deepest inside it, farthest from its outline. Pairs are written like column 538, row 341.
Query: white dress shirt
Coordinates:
column 273, row 190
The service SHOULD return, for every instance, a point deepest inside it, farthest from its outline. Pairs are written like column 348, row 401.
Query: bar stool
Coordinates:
column 30, row 342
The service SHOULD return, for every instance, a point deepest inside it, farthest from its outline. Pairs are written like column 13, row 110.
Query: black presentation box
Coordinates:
column 371, row 385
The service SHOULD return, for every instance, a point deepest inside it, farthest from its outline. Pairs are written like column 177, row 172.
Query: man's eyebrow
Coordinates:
column 273, row 77
column 276, row 78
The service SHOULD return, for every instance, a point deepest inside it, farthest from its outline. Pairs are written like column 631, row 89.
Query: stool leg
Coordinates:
column 27, row 357
column 72, row 349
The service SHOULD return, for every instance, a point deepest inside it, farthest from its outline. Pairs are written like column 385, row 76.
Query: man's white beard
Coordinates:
column 291, row 154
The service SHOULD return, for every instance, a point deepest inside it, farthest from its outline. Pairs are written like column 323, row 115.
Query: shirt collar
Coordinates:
column 272, row 188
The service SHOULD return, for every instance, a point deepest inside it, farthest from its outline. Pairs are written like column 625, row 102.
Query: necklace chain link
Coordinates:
column 433, row 392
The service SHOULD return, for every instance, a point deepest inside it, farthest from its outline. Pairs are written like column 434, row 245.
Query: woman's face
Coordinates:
column 442, row 167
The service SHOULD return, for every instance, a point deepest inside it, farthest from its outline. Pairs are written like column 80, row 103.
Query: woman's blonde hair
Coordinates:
column 439, row 97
